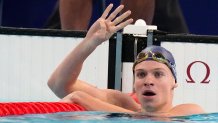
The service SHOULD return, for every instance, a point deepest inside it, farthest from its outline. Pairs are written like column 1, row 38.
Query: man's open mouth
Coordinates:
column 149, row 93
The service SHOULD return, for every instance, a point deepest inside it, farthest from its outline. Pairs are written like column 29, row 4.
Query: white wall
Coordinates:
column 26, row 63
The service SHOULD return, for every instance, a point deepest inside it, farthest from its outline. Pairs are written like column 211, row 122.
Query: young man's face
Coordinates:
column 154, row 85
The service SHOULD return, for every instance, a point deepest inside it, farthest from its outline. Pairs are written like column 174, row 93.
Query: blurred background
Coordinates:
column 200, row 15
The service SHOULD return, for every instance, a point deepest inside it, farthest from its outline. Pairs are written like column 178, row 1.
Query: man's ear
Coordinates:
column 174, row 86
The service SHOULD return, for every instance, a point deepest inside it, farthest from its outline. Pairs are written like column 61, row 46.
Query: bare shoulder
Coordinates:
column 187, row 109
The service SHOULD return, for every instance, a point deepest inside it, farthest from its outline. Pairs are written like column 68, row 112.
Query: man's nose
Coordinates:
column 148, row 81
column 148, row 84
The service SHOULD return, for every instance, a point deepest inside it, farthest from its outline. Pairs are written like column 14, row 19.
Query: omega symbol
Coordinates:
column 206, row 76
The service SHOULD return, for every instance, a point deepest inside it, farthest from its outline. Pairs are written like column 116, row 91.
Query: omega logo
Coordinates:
column 190, row 79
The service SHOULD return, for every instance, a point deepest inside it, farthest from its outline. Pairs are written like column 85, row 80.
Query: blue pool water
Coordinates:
column 103, row 117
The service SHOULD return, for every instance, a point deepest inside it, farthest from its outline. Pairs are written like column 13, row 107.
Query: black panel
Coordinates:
column 128, row 46
column 186, row 38
column 41, row 32
column 111, row 63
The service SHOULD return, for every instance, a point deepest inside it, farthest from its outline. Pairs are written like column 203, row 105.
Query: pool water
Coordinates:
column 105, row 117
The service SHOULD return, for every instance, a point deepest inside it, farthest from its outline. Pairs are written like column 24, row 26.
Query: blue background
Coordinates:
column 201, row 15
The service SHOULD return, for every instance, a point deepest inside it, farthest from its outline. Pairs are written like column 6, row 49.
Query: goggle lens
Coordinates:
column 154, row 55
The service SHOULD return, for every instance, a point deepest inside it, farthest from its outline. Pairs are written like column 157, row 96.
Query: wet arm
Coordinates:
column 64, row 79
column 91, row 103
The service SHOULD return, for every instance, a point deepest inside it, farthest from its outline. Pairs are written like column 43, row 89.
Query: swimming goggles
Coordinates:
column 156, row 56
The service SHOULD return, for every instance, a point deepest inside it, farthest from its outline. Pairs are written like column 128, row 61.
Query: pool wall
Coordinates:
column 28, row 57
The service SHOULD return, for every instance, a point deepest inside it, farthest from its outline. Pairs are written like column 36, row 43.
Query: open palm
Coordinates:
column 106, row 25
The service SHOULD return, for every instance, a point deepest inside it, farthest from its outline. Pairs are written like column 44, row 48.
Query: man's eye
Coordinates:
column 140, row 74
column 158, row 74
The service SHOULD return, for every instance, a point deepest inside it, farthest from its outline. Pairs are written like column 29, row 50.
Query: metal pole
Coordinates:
column 118, row 62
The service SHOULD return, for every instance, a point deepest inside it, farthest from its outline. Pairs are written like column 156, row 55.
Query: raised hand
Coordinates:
column 64, row 79
column 107, row 24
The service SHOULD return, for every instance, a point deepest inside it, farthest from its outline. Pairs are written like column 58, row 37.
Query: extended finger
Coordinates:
column 123, row 24
column 121, row 17
column 115, row 12
column 106, row 11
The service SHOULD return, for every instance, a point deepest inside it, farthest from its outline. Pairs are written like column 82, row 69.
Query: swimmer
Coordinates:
column 154, row 75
